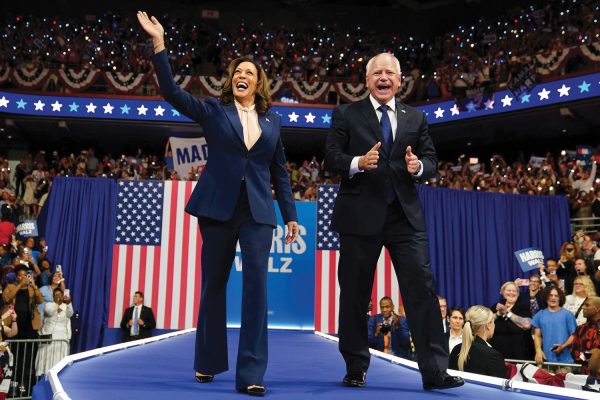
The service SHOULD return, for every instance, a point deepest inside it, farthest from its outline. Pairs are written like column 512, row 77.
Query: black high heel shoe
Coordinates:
column 254, row 390
column 201, row 378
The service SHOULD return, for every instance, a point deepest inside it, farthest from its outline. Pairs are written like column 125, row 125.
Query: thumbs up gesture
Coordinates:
column 412, row 161
column 369, row 161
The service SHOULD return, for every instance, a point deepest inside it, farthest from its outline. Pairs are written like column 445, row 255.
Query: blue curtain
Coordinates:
column 473, row 237
column 78, row 222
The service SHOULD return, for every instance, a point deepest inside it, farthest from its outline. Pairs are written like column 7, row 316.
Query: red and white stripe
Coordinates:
column 169, row 274
column 327, row 289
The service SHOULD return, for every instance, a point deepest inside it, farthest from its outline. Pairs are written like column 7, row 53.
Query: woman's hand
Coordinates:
column 292, row 232
column 154, row 29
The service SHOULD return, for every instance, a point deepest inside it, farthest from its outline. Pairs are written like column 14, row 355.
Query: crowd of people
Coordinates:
column 551, row 316
column 35, row 305
column 26, row 187
column 479, row 54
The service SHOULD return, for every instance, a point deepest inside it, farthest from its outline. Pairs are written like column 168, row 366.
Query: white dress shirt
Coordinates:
column 393, row 116
column 250, row 125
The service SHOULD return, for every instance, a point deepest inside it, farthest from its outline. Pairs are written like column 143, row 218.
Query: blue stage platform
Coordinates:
column 302, row 365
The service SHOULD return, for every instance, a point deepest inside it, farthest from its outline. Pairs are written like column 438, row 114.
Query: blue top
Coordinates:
column 556, row 328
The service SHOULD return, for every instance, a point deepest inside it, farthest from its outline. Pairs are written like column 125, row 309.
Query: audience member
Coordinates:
column 475, row 354
column 457, row 320
column 388, row 331
column 138, row 320
column 583, row 288
column 444, row 312
column 9, row 329
column 553, row 326
column 531, row 296
column 587, row 336
column 57, row 326
column 512, row 337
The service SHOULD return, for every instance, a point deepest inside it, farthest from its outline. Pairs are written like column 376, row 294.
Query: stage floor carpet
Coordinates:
column 302, row 365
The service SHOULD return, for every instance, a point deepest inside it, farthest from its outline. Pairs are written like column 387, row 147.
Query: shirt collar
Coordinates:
column 391, row 104
column 240, row 107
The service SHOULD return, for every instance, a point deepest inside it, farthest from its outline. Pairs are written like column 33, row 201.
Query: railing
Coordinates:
column 31, row 359
column 588, row 225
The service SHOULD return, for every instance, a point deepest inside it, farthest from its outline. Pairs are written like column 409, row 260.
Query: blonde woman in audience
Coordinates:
column 475, row 354
column 583, row 287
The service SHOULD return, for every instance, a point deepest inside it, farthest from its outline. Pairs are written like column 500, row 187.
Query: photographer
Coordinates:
column 388, row 331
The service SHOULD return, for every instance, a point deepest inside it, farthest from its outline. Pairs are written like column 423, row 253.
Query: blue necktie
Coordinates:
column 136, row 326
column 386, row 127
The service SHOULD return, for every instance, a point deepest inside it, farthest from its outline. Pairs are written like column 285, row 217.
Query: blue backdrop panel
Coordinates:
column 291, row 276
column 473, row 236
column 79, row 231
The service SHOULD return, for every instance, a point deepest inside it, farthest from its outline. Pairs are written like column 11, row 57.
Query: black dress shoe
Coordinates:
column 201, row 378
column 355, row 379
column 254, row 390
column 441, row 380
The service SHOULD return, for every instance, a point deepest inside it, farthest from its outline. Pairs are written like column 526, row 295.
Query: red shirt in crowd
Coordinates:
column 7, row 228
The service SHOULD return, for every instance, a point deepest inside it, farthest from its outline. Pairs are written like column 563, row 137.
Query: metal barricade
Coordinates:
column 31, row 357
column 588, row 225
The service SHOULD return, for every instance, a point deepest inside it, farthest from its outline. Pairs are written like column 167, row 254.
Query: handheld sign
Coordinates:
column 529, row 258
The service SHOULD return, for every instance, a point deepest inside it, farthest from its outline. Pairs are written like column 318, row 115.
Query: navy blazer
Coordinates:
column 215, row 196
column 400, row 336
column 361, row 204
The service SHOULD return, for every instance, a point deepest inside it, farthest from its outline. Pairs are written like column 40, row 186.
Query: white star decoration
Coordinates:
column 439, row 113
column 544, row 94
column 39, row 106
column 56, row 106
column 159, row 111
column 564, row 90
column 310, row 119
column 293, row 117
column 4, row 102
column 455, row 110
column 108, row 108
column 506, row 101
column 142, row 110
column 91, row 108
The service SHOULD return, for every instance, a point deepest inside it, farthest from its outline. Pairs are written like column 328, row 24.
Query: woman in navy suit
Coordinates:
column 233, row 202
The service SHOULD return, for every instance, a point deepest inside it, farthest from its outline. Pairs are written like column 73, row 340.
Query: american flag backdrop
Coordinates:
column 327, row 289
column 156, row 251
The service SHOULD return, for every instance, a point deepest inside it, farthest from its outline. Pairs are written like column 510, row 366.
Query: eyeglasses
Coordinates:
column 578, row 284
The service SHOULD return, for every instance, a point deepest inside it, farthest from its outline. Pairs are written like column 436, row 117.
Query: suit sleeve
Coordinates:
column 426, row 151
column 281, row 182
column 496, row 365
column 149, row 322
column 181, row 100
column 338, row 137
column 402, row 335
column 125, row 319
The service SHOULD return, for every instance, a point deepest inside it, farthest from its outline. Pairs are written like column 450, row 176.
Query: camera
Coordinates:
column 385, row 328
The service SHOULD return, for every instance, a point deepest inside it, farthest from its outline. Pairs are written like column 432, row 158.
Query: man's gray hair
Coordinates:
column 370, row 63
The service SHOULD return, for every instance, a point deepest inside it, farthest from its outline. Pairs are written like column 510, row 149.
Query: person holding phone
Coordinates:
column 57, row 281
column 57, row 325
column 10, row 329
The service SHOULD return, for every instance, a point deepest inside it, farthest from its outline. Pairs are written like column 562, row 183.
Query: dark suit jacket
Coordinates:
column 400, row 337
column 147, row 315
column 216, row 193
column 361, row 204
column 482, row 359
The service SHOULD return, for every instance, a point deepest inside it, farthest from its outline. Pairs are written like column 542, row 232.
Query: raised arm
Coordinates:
column 181, row 100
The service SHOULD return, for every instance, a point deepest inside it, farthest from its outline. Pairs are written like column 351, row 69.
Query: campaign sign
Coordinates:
column 290, row 277
column 189, row 156
column 529, row 258
column 27, row 228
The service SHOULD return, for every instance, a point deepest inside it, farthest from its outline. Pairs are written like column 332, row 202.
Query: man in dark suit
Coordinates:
column 370, row 144
column 138, row 320
column 388, row 331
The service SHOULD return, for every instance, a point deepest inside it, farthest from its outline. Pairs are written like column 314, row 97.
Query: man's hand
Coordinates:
column 412, row 161
column 378, row 330
column 130, row 323
column 140, row 322
column 292, row 232
column 395, row 320
column 368, row 162
column 154, row 29
column 540, row 357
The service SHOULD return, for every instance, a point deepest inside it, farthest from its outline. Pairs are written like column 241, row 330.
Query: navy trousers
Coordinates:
column 219, row 240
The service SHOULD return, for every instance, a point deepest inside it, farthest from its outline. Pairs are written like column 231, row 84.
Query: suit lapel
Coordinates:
column 266, row 127
column 234, row 119
column 401, row 119
column 371, row 116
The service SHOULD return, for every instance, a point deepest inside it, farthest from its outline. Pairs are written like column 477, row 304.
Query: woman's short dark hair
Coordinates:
column 58, row 289
column 459, row 309
column 546, row 293
column 262, row 99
